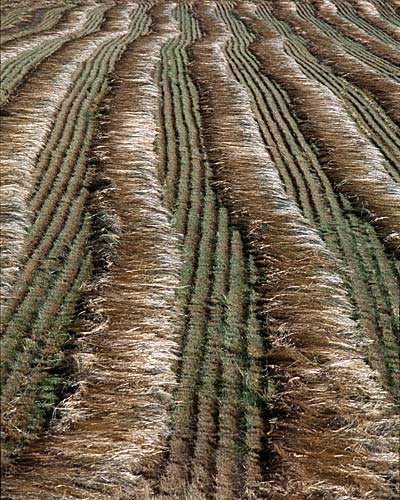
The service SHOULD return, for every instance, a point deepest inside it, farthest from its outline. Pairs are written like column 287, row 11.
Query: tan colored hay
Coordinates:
column 115, row 427
column 370, row 13
column 334, row 435
column 386, row 90
column 352, row 161
column 25, row 130
column 328, row 11
column 77, row 19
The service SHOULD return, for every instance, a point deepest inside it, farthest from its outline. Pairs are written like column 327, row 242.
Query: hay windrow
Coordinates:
column 124, row 366
column 387, row 91
column 352, row 161
column 370, row 12
column 331, row 411
column 25, row 130
column 328, row 11
column 239, row 193
column 77, row 19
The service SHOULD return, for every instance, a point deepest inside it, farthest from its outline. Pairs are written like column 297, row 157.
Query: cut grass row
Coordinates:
column 40, row 20
column 371, row 119
column 62, row 153
column 387, row 11
column 351, row 35
column 10, row 18
column 130, row 376
column 207, row 434
column 368, row 21
column 328, row 25
column 55, row 223
column 302, row 173
column 385, row 90
column 348, row 158
column 19, row 61
column 298, row 275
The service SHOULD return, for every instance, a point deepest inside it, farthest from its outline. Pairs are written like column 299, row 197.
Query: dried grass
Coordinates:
column 328, row 11
column 25, row 129
column 335, row 434
column 386, row 90
column 371, row 14
column 351, row 160
column 115, row 427
column 76, row 20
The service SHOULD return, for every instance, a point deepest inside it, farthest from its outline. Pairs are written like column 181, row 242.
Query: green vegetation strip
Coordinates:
column 367, row 113
column 15, row 69
column 42, row 20
column 352, row 47
column 278, row 240
column 210, row 316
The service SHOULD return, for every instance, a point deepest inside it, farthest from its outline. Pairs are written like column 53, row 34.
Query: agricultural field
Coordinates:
column 200, row 243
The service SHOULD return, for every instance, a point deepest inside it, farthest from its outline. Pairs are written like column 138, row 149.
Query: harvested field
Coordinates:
column 200, row 242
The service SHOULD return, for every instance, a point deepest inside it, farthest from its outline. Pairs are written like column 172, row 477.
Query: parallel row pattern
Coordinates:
column 215, row 448
column 55, row 226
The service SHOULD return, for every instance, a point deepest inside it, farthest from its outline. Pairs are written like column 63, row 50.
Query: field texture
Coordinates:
column 200, row 233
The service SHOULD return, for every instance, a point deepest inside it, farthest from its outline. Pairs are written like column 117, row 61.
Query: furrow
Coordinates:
column 20, row 324
column 327, row 24
column 368, row 19
column 12, row 19
column 229, row 455
column 14, row 69
column 192, row 461
column 42, row 19
column 276, row 135
column 302, row 294
column 255, row 395
column 52, row 233
column 125, row 365
column 366, row 303
column 387, row 11
column 204, row 460
column 64, row 155
column 353, row 35
column 370, row 118
column 370, row 12
column 184, row 166
column 29, row 391
column 181, row 441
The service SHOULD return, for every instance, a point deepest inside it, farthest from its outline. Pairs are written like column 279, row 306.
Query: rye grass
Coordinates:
column 386, row 91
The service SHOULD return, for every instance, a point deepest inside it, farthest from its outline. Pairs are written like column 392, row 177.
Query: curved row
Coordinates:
column 203, row 449
column 298, row 288
column 381, row 54
column 366, row 17
column 307, row 184
column 40, row 20
column 130, row 371
column 333, row 55
column 327, row 23
column 349, row 156
column 54, row 223
column 18, row 62
column 369, row 116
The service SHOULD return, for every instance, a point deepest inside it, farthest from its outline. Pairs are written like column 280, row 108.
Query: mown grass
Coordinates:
column 299, row 286
column 34, row 338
